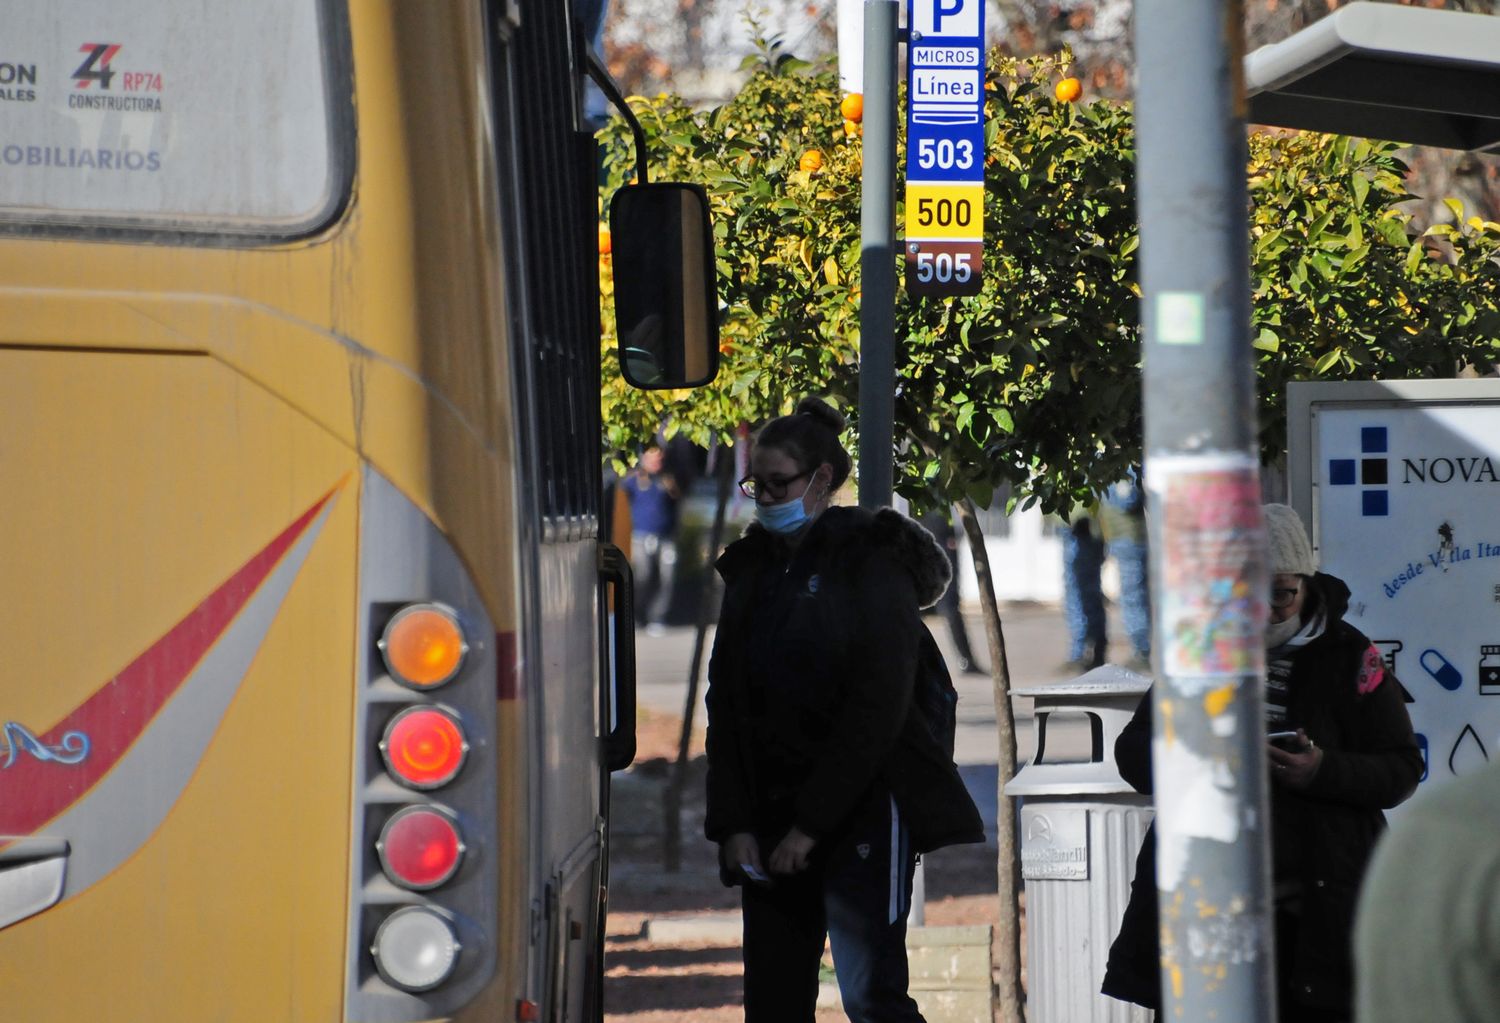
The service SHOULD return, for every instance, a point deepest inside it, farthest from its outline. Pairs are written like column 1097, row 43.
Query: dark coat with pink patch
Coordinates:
column 1340, row 693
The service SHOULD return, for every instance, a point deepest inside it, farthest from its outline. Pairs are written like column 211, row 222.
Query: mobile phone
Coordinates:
column 753, row 874
column 1282, row 739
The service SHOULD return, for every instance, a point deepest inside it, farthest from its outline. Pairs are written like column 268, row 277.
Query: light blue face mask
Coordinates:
column 785, row 518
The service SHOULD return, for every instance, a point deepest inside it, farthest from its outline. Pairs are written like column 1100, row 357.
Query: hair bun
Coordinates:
column 822, row 412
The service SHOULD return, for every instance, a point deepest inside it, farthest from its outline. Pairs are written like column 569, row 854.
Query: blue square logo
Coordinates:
column 1376, row 502
column 1372, row 440
column 1341, row 471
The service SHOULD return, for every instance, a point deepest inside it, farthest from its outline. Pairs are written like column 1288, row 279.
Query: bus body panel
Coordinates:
column 383, row 342
column 152, row 542
column 569, row 820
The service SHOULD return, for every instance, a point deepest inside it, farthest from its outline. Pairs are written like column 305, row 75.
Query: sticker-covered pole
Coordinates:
column 877, row 261
column 1208, row 553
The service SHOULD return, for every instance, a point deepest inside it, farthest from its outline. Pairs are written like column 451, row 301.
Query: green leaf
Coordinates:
column 1356, row 236
column 1361, row 186
column 1392, row 230
column 1327, row 361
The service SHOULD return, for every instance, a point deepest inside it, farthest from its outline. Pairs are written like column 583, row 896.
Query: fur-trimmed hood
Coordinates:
column 907, row 540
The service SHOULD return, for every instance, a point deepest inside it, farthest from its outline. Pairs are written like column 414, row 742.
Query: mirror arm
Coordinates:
column 600, row 74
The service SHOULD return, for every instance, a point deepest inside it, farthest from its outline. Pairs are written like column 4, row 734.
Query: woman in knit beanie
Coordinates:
column 1340, row 749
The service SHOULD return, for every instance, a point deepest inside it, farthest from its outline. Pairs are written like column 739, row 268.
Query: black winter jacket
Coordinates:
column 811, row 683
column 1354, row 709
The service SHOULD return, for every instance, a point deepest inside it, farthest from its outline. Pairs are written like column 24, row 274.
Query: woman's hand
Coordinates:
column 741, row 853
column 1296, row 770
column 790, row 854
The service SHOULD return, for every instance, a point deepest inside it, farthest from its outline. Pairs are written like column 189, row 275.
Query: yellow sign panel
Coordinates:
column 948, row 212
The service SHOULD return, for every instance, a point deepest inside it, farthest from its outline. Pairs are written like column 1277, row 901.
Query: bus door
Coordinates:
column 578, row 671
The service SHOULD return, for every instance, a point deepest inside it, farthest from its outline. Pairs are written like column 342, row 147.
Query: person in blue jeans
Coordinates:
column 1083, row 599
column 653, row 495
column 1122, row 521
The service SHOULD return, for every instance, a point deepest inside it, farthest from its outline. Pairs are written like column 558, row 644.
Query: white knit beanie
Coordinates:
column 1291, row 553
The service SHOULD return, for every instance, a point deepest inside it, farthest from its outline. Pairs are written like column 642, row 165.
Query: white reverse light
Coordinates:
column 415, row 949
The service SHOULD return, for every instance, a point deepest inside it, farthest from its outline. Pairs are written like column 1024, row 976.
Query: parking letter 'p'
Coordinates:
column 941, row 10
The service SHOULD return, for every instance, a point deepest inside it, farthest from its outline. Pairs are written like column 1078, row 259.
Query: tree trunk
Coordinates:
column 1012, row 997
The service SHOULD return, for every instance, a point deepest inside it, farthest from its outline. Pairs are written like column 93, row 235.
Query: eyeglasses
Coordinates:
column 1282, row 598
column 773, row 486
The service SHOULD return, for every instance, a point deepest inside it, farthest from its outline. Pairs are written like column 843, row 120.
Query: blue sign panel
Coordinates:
column 944, row 146
column 945, row 91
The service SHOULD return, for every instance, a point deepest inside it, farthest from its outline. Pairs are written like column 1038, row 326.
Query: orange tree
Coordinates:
column 786, row 234
column 1034, row 382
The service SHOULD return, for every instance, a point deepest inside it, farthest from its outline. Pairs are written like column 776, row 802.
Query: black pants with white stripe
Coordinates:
column 857, row 892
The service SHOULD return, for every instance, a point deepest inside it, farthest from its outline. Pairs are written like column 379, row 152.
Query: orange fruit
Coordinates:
column 852, row 129
column 1068, row 90
column 853, row 107
column 606, row 243
column 811, row 161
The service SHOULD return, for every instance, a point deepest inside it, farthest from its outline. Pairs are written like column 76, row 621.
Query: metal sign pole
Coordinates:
column 877, row 261
column 1208, row 551
column 877, row 306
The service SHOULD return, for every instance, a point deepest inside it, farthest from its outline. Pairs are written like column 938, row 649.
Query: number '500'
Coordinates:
column 944, row 267
column 945, row 212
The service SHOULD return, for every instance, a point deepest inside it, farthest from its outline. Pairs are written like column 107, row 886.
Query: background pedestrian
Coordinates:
column 653, row 494
column 1346, row 751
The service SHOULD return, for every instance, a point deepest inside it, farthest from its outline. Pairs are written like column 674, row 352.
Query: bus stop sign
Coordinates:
column 944, row 147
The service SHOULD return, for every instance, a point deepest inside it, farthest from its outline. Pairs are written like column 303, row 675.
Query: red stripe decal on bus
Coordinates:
column 33, row 791
column 505, row 666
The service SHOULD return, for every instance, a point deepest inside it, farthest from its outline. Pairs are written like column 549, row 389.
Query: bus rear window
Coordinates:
column 210, row 118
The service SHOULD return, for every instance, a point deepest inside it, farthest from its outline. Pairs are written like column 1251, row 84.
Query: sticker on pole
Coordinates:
column 944, row 243
column 1214, row 576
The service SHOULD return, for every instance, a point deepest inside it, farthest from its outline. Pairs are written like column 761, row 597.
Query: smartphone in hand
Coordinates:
column 1285, row 740
column 753, row 874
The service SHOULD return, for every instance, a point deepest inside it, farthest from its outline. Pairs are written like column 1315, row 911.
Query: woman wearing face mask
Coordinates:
column 1345, row 751
column 825, row 780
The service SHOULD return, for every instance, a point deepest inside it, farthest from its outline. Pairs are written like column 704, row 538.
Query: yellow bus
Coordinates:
column 306, row 710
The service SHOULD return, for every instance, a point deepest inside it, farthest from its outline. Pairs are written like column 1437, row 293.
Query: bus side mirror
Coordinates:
column 666, row 310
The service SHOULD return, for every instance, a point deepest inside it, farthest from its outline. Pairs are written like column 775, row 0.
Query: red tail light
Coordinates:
column 424, row 747
column 420, row 848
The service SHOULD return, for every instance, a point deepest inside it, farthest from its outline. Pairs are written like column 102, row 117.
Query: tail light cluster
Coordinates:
column 421, row 845
column 426, row 774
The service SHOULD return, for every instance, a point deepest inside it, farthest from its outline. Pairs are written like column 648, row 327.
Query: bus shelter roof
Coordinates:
column 1378, row 70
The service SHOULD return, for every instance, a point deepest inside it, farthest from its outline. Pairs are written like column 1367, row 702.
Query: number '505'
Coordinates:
column 944, row 267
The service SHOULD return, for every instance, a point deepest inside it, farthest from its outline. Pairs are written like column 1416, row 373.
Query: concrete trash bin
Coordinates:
column 1081, row 827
